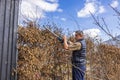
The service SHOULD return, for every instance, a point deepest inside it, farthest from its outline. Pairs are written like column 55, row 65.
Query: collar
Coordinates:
column 80, row 39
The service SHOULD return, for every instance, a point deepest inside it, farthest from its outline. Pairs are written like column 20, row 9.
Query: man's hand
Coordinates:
column 64, row 38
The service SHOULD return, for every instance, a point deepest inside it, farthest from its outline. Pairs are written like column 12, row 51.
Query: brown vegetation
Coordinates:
column 104, row 62
column 42, row 57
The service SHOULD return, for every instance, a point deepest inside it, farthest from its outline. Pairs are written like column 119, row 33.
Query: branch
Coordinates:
column 116, row 10
column 102, row 27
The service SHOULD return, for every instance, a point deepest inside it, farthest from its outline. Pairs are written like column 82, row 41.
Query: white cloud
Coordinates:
column 33, row 9
column 52, row 0
column 92, row 6
column 44, row 5
column 63, row 19
column 101, row 9
column 92, row 33
column 60, row 10
column 57, row 17
column 85, row 11
column 114, row 3
column 30, row 11
column 87, row 1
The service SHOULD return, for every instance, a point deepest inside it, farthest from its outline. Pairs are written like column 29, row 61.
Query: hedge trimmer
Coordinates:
column 58, row 37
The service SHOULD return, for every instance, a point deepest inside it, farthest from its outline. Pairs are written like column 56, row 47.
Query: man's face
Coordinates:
column 78, row 36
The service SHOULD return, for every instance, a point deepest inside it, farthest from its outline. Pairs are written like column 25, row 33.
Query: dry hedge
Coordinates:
column 42, row 57
column 104, row 62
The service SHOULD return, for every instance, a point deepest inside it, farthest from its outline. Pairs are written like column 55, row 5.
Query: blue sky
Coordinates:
column 65, row 13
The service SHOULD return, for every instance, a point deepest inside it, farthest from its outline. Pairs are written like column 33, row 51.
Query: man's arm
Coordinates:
column 71, row 46
column 65, row 42
column 74, row 46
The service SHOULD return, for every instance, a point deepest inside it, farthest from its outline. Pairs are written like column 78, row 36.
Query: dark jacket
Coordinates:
column 79, row 56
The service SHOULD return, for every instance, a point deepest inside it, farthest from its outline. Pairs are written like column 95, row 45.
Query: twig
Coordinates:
column 101, row 26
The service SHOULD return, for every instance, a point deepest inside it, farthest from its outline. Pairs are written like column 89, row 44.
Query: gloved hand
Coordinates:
column 60, row 39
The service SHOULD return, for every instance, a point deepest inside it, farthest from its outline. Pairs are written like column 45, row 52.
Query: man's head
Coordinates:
column 79, row 35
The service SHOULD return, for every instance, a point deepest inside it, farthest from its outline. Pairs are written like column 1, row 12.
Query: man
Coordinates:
column 78, row 55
